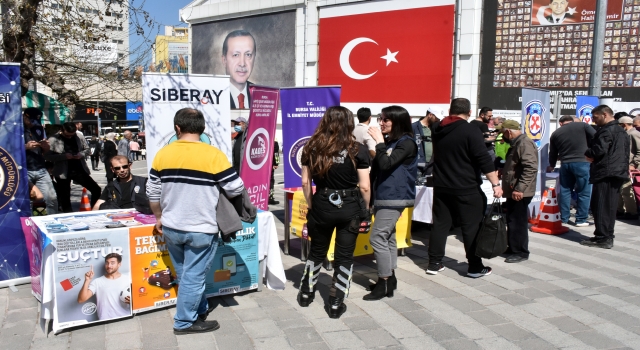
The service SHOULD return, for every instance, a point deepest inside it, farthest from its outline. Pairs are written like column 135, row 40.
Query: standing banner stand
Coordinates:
column 14, row 183
column 535, row 125
column 164, row 94
column 302, row 109
column 256, row 165
column 584, row 105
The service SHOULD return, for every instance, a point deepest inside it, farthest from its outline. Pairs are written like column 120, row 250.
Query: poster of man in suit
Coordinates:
column 252, row 50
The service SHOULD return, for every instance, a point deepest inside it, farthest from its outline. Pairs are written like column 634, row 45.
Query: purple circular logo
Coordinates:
column 295, row 155
column 257, row 152
column 9, row 178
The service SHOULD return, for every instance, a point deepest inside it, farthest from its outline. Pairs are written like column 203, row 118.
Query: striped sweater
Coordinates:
column 184, row 178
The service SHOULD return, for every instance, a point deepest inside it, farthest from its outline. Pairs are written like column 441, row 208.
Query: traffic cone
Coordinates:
column 550, row 222
column 534, row 221
column 85, row 205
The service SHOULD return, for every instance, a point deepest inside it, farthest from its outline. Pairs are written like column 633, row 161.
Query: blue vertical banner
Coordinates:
column 14, row 184
column 134, row 113
column 584, row 105
column 535, row 123
column 302, row 109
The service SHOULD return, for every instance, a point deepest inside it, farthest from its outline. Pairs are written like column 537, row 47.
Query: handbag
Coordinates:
column 492, row 239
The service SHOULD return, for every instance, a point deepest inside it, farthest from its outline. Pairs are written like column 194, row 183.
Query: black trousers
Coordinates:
column 517, row 226
column 273, row 181
column 604, row 203
column 108, row 171
column 95, row 161
column 64, row 189
column 466, row 211
column 322, row 219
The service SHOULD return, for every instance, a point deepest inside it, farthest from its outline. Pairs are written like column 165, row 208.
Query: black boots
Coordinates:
column 382, row 289
column 336, row 307
column 308, row 283
column 304, row 299
column 391, row 280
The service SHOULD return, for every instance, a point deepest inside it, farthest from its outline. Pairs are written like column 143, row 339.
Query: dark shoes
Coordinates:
column 198, row 327
column 604, row 243
column 204, row 316
column 392, row 281
column 486, row 271
column 629, row 216
column 515, row 259
column 382, row 289
column 273, row 201
column 304, row 299
column 433, row 269
column 336, row 307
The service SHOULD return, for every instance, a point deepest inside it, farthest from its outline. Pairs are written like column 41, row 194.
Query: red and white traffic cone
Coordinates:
column 550, row 222
column 85, row 205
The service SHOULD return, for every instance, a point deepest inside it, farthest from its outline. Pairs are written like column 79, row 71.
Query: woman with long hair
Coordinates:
column 339, row 167
column 110, row 151
column 393, row 172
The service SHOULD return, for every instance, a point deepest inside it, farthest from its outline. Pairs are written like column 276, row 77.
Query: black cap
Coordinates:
column 33, row 113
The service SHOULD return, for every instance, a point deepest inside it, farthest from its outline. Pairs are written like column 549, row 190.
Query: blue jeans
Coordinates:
column 192, row 255
column 575, row 176
column 42, row 180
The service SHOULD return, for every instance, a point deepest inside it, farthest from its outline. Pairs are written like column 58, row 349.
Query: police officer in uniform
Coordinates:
column 339, row 166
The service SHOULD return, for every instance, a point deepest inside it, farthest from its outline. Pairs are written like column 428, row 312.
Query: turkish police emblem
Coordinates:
column 534, row 124
column 9, row 178
column 584, row 113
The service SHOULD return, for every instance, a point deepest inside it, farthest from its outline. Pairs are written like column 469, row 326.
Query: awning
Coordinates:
column 53, row 111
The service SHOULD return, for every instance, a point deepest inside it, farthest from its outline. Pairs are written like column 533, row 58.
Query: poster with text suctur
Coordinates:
column 92, row 276
column 235, row 264
column 154, row 279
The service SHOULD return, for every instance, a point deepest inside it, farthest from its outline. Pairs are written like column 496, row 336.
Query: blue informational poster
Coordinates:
column 584, row 106
column 302, row 109
column 14, row 185
column 535, row 125
column 235, row 265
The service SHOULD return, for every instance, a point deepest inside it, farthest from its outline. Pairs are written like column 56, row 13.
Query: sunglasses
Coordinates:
column 124, row 167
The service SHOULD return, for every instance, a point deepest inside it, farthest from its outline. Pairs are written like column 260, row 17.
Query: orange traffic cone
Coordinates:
column 550, row 222
column 85, row 205
column 534, row 221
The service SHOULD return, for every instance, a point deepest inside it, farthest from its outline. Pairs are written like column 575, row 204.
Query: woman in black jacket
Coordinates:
column 110, row 151
column 95, row 146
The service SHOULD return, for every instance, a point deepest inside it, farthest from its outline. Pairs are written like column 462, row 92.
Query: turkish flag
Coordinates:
column 397, row 56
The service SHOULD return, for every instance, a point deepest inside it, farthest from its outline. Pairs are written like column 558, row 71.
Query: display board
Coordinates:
column 543, row 44
column 165, row 94
column 14, row 184
column 251, row 50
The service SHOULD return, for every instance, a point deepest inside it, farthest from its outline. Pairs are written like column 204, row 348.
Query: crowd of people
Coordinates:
column 358, row 171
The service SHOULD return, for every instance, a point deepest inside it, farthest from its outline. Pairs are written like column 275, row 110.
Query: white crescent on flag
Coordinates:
column 344, row 59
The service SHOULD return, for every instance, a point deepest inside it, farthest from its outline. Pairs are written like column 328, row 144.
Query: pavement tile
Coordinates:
column 52, row 343
column 421, row 317
column 518, row 277
column 532, row 293
column 376, row 338
column 87, row 341
column 165, row 339
column 542, row 285
column 18, row 315
column 325, row 325
column 312, row 346
column 123, row 326
column 441, row 332
column 360, row 323
column 514, row 299
column 565, row 295
column 535, row 344
column 420, row 343
column 597, row 340
column 463, row 304
column 17, row 328
column 494, row 290
column 155, row 325
column 402, row 304
column 284, row 314
column 131, row 340
column 616, row 292
column 278, row 343
column 197, row 341
column 561, row 274
column 252, row 314
column 567, row 324
column 262, row 329
column 17, row 342
column 512, row 332
column 487, row 317
column 460, row 344
column 344, row 340
column 272, row 302
column 303, row 335
column 588, row 282
column 22, row 303
column 230, row 327
column 233, row 342
column 293, row 323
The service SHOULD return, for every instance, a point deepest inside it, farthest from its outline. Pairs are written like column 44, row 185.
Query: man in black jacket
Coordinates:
column 122, row 193
column 237, row 148
column 609, row 157
column 459, row 154
column 422, row 132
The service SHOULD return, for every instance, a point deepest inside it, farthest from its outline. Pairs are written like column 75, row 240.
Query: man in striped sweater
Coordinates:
column 183, row 191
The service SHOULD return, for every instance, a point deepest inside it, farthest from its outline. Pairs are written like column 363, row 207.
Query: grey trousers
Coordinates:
column 383, row 240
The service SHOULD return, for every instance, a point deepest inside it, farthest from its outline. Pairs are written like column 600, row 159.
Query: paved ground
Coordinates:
column 566, row 296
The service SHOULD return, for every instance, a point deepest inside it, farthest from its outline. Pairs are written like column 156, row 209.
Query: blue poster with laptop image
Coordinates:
column 235, row 266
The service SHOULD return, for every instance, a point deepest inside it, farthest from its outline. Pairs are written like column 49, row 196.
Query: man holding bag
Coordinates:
column 518, row 187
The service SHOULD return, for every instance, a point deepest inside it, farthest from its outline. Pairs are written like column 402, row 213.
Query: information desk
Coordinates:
column 68, row 250
column 296, row 220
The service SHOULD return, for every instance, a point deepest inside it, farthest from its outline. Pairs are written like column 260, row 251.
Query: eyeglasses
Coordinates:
column 124, row 167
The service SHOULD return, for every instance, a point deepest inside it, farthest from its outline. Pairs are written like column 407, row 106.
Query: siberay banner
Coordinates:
column 164, row 94
column 14, row 184
column 584, row 106
column 302, row 109
column 535, row 125
column 257, row 160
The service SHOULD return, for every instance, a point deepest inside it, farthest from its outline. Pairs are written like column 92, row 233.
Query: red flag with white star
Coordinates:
column 389, row 51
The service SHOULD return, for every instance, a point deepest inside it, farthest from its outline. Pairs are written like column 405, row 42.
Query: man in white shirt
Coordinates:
column 558, row 12
column 238, row 56
column 108, row 289
column 361, row 131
